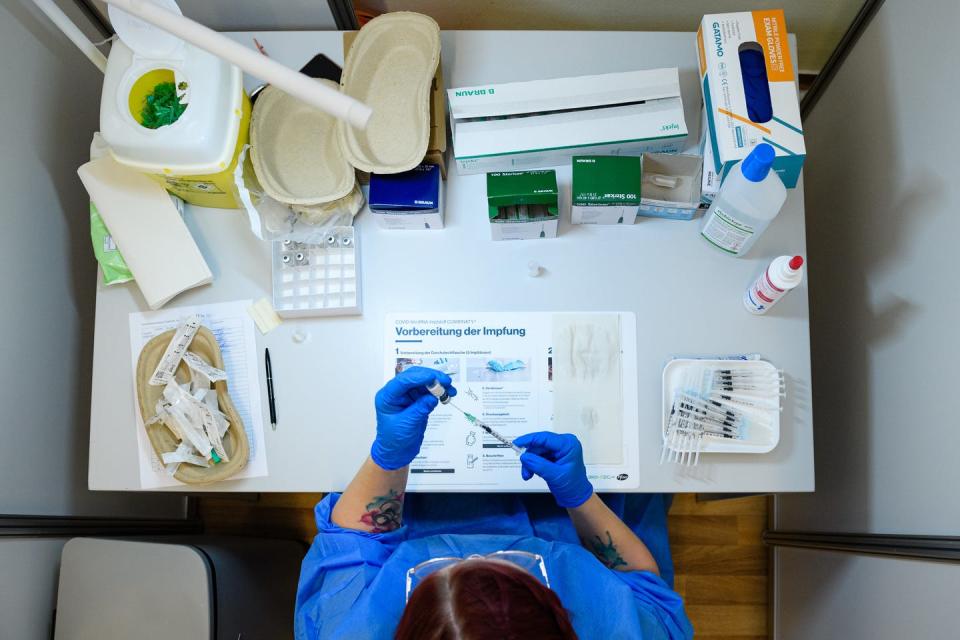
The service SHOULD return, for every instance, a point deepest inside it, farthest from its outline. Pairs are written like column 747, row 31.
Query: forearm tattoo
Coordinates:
column 384, row 513
column 606, row 552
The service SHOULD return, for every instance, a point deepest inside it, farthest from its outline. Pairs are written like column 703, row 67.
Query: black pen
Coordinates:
column 270, row 398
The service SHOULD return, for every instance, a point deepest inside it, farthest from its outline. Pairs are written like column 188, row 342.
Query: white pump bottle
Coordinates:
column 749, row 199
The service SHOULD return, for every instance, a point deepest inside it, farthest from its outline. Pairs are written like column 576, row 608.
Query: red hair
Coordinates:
column 483, row 600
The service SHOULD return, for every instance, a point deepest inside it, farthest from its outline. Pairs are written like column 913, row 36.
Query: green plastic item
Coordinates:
column 162, row 106
column 115, row 270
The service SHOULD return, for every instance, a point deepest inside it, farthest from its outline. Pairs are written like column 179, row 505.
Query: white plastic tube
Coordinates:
column 59, row 18
column 292, row 82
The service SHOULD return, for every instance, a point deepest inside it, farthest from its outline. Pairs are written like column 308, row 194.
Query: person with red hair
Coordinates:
column 484, row 566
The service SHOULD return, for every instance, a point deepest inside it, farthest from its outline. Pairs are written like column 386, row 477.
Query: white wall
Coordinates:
column 50, row 103
column 255, row 15
column 29, row 574
column 817, row 23
column 882, row 232
column 836, row 595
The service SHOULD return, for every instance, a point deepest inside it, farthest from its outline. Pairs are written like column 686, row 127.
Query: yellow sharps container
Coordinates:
column 195, row 156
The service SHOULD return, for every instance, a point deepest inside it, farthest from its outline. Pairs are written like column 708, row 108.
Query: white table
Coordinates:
column 687, row 296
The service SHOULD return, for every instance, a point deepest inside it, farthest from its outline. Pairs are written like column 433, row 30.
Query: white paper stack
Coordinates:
column 148, row 230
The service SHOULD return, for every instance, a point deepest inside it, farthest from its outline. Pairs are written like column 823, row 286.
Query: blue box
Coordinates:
column 408, row 200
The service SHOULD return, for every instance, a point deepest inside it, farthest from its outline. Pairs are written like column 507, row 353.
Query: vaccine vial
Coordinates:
column 438, row 391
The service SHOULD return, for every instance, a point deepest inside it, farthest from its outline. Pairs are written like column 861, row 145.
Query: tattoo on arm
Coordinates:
column 384, row 513
column 606, row 552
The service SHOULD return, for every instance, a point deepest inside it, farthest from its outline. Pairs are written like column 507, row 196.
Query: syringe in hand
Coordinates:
column 441, row 394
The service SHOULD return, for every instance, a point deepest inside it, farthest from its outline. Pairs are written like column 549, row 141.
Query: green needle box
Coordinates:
column 522, row 205
column 606, row 189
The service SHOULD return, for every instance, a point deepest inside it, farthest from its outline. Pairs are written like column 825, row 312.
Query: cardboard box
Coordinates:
column 522, row 205
column 606, row 189
column 409, row 200
column 723, row 42
column 679, row 201
column 710, row 179
column 437, row 144
column 546, row 122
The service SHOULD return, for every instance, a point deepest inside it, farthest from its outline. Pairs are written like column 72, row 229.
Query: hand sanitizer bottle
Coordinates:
column 749, row 199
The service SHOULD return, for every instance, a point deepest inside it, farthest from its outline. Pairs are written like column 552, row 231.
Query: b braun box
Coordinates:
column 522, row 205
column 606, row 189
column 749, row 90
column 409, row 200
column 520, row 125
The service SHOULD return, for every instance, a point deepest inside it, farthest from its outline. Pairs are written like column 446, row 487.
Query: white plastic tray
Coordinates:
column 758, row 439
column 317, row 279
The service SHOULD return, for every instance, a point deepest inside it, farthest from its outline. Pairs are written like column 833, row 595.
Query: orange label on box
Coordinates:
column 772, row 36
column 703, row 56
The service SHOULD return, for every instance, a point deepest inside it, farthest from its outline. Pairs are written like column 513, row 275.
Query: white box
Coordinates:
column 605, row 189
column 722, row 41
column 546, row 228
column 411, row 200
column 710, row 182
column 409, row 220
column 679, row 202
column 545, row 122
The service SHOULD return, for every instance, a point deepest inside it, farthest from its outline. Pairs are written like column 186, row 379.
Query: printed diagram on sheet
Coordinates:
column 518, row 373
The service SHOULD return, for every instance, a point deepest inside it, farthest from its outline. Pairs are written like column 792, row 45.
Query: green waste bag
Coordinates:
column 114, row 268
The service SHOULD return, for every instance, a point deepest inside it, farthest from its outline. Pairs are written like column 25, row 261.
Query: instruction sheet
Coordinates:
column 519, row 373
column 233, row 328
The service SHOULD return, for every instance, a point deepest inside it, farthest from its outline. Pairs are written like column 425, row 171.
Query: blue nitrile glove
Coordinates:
column 403, row 405
column 558, row 459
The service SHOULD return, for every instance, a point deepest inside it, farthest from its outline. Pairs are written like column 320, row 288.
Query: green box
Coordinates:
column 522, row 205
column 606, row 189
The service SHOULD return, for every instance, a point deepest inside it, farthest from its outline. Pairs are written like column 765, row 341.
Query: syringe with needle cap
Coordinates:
column 441, row 394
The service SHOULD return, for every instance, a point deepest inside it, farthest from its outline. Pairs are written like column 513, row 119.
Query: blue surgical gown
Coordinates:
column 353, row 584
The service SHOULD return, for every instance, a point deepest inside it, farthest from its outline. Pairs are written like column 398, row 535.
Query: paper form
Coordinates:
column 504, row 368
column 234, row 330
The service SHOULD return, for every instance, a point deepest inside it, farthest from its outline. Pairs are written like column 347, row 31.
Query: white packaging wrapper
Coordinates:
column 199, row 365
column 184, row 453
column 184, row 413
column 211, row 428
column 168, row 364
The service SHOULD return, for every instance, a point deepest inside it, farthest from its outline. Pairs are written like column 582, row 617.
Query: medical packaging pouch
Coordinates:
column 749, row 90
column 522, row 205
column 606, row 189
column 408, row 200
column 518, row 125
column 671, row 186
column 112, row 264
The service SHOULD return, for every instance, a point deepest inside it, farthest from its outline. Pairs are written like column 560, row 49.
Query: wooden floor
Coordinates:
column 720, row 561
column 721, row 565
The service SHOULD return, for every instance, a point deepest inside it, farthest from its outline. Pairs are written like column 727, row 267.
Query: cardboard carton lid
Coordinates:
column 560, row 94
column 414, row 190
column 506, row 188
column 606, row 180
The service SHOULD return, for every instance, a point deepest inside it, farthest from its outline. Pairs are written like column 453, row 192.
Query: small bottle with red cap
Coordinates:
column 777, row 280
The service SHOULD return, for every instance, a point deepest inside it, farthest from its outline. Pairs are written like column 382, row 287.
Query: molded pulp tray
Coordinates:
column 295, row 151
column 391, row 67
